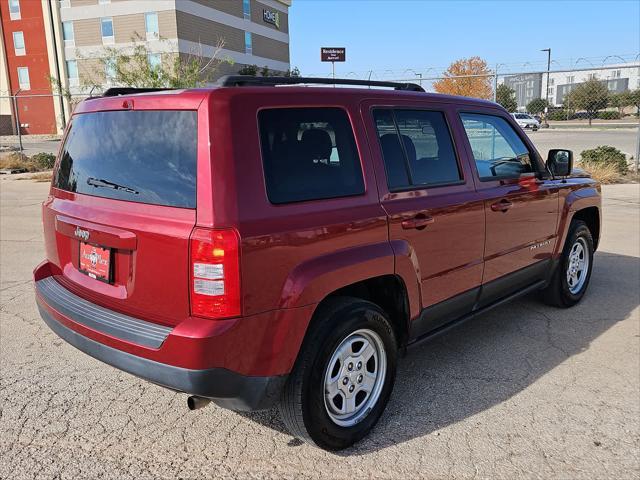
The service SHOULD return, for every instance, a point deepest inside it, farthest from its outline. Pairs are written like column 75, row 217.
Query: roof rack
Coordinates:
column 117, row 91
column 251, row 81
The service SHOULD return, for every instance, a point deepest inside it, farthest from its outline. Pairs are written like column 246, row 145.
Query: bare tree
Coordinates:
column 139, row 67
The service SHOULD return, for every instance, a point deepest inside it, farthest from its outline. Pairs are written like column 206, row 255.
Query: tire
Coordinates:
column 560, row 292
column 338, row 326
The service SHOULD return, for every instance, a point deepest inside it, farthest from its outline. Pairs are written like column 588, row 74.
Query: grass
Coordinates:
column 607, row 173
column 17, row 160
column 40, row 162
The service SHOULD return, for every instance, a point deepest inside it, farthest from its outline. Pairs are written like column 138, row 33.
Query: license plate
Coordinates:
column 95, row 261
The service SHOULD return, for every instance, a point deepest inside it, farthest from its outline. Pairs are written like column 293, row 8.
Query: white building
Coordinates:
column 618, row 78
column 529, row 86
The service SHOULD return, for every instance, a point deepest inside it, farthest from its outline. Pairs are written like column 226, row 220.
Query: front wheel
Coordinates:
column 344, row 375
column 571, row 278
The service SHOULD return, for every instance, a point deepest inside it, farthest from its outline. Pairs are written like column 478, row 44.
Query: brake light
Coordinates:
column 215, row 273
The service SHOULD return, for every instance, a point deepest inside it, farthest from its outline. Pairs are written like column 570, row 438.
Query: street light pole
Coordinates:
column 548, row 50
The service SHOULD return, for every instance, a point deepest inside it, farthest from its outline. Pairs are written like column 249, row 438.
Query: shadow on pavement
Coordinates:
column 494, row 356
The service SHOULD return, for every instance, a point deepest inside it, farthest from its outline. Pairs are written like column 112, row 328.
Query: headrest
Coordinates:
column 391, row 146
column 316, row 143
column 410, row 148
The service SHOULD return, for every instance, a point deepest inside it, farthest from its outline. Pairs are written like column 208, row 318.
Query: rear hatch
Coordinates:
column 123, row 205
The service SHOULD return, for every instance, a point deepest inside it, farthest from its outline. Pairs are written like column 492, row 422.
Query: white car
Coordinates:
column 526, row 121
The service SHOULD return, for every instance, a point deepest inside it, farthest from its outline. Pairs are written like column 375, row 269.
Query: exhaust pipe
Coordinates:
column 194, row 402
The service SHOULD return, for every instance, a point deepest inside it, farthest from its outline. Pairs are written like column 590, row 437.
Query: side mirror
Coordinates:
column 560, row 162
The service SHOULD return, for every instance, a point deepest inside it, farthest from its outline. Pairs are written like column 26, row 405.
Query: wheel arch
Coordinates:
column 591, row 217
column 386, row 291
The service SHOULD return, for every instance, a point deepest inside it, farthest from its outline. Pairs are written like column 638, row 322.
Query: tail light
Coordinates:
column 215, row 273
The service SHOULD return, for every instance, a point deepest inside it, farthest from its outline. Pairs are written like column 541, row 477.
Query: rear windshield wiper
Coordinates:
column 99, row 182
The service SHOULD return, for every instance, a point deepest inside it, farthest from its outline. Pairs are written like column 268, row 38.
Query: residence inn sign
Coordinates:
column 333, row 54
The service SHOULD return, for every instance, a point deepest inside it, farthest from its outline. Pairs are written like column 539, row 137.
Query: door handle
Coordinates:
column 418, row 222
column 501, row 206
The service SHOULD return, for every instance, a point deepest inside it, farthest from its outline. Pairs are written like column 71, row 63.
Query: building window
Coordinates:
column 248, row 44
column 551, row 81
column 67, row 33
column 14, row 9
column 23, row 78
column 617, row 74
column 106, row 25
column 64, row 3
column 18, row 43
column 592, row 76
column 571, row 79
column 154, row 60
column 72, row 73
column 151, row 25
column 550, row 91
column 246, row 9
column 110, row 70
column 103, row 2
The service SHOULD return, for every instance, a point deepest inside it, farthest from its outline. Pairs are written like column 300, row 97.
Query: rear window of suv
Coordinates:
column 309, row 154
column 137, row 156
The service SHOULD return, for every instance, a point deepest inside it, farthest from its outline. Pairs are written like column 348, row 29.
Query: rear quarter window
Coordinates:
column 137, row 156
column 309, row 154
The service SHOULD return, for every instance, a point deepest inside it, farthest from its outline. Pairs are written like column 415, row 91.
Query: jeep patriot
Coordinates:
column 258, row 244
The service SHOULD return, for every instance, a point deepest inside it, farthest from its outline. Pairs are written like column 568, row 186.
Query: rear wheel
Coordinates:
column 571, row 279
column 344, row 375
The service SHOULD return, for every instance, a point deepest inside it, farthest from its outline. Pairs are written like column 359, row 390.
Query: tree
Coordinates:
column 295, row 72
column 265, row 72
column 468, row 77
column 133, row 67
column 589, row 96
column 506, row 96
column 619, row 100
column 249, row 70
column 634, row 97
column 624, row 99
column 537, row 105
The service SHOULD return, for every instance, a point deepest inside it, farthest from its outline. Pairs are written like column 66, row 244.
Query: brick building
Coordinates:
column 65, row 39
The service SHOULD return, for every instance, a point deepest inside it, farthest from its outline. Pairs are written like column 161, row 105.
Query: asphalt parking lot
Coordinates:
column 526, row 391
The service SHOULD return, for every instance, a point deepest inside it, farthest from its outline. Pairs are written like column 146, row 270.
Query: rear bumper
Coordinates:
column 226, row 388
column 240, row 363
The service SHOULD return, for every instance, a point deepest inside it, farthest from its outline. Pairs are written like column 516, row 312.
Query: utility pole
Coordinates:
column 548, row 50
column 495, row 84
column 17, row 119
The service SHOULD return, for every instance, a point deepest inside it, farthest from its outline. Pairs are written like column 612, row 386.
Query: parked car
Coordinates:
column 261, row 246
column 526, row 121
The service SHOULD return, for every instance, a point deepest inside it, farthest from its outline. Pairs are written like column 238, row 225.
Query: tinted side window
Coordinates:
column 497, row 148
column 417, row 148
column 309, row 154
column 394, row 160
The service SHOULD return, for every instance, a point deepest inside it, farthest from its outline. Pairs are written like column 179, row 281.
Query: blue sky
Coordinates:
column 400, row 34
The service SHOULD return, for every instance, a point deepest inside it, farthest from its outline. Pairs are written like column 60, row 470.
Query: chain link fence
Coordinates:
column 579, row 109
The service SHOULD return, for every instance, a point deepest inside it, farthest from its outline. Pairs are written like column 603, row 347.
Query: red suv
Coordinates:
column 257, row 244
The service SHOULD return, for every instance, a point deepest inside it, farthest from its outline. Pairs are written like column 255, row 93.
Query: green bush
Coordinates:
column 605, row 155
column 44, row 161
column 608, row 115
column 559, row 115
